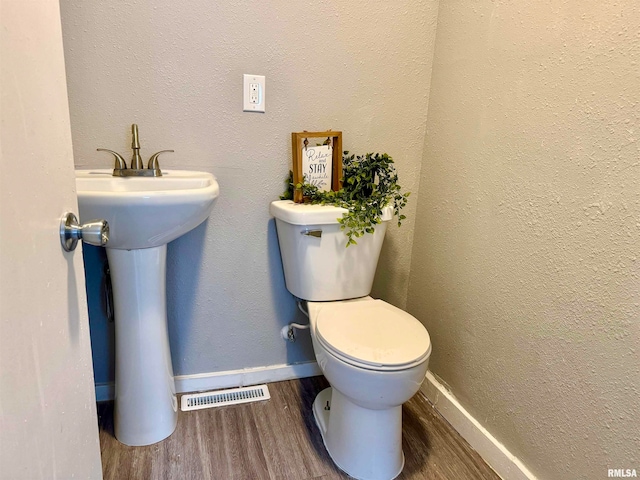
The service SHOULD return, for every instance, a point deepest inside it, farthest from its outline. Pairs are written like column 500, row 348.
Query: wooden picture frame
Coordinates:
column 298, row 140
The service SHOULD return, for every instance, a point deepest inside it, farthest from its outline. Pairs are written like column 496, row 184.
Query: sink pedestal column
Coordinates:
column 146, row 407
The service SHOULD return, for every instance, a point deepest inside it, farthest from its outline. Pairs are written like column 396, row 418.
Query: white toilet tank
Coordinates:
column 317, row 265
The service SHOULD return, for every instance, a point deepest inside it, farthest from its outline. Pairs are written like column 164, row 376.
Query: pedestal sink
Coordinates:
column 144, row 214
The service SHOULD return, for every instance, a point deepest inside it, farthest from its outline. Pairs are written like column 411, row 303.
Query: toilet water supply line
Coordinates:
column 288, row 332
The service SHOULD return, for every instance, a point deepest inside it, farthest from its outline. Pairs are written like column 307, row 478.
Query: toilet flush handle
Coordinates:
column 312, row 233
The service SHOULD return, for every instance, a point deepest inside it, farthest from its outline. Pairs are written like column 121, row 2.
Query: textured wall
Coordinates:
column 176, row 70
column 525, row 262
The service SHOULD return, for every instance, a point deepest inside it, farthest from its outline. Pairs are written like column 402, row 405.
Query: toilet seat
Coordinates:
column 372, row 334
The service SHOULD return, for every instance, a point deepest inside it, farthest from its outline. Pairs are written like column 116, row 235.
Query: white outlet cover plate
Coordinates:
column 255, row 105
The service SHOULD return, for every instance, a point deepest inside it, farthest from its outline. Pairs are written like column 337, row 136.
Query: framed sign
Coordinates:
column 317, row 160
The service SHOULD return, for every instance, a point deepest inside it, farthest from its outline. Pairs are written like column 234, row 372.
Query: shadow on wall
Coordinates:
column 102, row 331
column 184, row 263
column 389, row 282
column 285, row 303
column 181, row 283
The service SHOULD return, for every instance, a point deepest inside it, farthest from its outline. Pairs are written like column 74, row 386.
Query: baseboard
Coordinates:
column 232, row 378
column 493, row 452
column 242, row 378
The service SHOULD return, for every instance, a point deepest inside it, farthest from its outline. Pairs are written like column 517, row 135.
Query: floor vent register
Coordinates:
column 221, row 398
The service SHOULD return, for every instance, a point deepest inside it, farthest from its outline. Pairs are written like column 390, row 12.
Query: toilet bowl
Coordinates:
column 374, row 355
column 372, row 372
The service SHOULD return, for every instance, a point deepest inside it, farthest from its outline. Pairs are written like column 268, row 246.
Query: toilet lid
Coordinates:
column 373, row 334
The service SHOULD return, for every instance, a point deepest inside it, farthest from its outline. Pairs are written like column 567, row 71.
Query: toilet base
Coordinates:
column 366, row 444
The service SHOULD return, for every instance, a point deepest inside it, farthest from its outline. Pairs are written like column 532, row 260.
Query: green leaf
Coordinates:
column 369, row 182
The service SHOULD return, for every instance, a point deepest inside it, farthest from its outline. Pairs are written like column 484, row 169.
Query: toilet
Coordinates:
column 374, row 355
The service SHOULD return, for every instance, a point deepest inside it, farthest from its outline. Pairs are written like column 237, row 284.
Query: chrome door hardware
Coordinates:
column 95, row 232
column 312, row 233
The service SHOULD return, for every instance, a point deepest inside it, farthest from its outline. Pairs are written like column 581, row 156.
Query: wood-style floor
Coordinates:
column 278, row 439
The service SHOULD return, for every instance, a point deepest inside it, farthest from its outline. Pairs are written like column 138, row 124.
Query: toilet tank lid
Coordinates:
column 373, row 333
column 307, row 214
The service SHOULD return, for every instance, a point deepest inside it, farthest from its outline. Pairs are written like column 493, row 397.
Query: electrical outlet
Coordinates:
column 253, row 89
column 254, row 96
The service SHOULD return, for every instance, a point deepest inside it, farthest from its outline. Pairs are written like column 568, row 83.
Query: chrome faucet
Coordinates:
column 137, row 166
column 136, row 160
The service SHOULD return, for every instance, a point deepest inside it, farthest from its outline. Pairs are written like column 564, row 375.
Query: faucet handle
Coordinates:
column 120, row 163
column 153, row 161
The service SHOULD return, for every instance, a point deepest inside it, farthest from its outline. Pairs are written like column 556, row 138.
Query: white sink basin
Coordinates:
column 145, row 212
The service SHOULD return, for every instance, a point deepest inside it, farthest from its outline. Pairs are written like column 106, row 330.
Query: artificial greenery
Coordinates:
column 369, row 183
